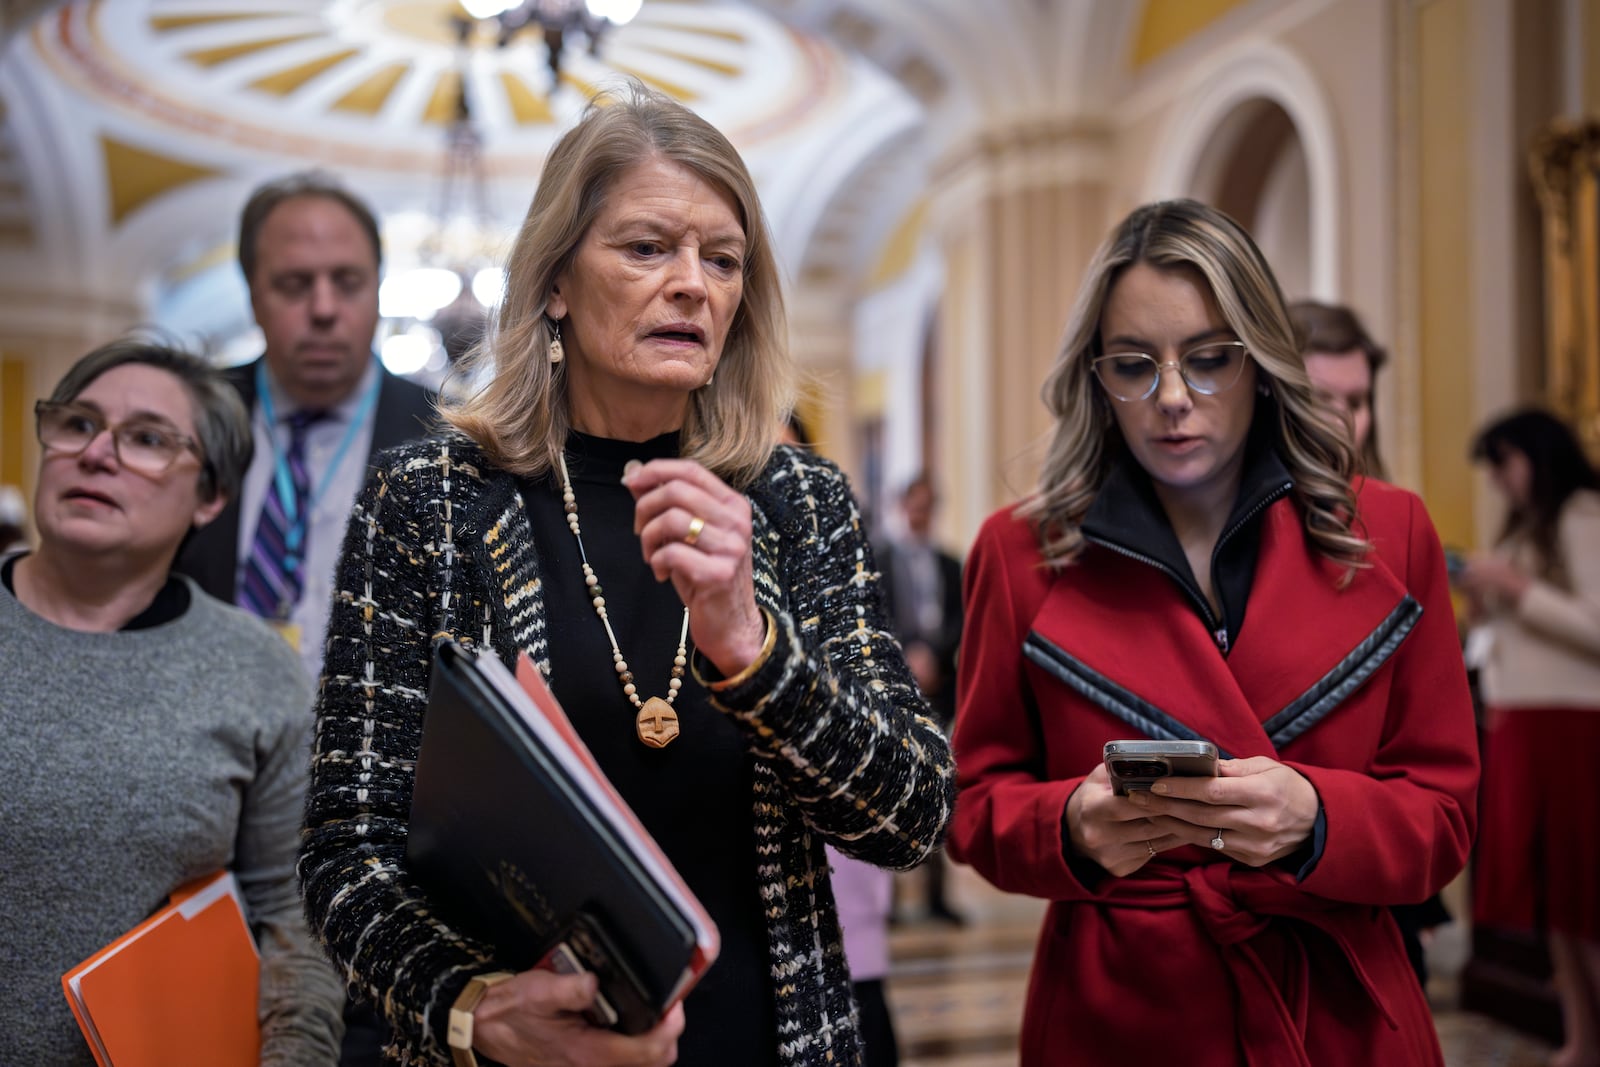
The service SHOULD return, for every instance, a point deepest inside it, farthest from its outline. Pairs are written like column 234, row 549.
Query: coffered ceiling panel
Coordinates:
column 372, row 83
column 132, row 130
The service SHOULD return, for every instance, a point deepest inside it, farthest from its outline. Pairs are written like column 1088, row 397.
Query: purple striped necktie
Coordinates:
column 273, row 576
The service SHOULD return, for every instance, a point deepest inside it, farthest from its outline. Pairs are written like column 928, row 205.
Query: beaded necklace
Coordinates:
column 656, row 722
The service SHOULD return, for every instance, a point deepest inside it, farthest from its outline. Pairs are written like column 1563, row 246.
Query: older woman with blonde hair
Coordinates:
column 1195, row 566
column 712, row 625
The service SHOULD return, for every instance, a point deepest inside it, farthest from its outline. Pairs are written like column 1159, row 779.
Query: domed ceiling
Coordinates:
column 132, row 130
column 374, row 83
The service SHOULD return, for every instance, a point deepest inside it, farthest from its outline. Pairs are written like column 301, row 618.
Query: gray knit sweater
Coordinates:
column 131, row 762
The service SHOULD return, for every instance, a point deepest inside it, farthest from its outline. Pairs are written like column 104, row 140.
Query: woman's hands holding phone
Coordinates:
column 1112, row 830
column 1262, row 810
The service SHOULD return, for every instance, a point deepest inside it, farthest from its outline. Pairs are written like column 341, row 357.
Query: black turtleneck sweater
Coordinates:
column 694, row 795
column 1127, row 517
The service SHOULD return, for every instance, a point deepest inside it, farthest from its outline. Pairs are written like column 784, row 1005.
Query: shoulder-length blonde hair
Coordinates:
column 1186, row 233
column 520, row 415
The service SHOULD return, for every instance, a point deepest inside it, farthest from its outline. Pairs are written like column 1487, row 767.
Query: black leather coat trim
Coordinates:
column 1136, row 711
column 1312, row 706
column 1300, row 715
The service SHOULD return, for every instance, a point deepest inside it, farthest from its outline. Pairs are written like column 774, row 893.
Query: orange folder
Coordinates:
column 177, row 990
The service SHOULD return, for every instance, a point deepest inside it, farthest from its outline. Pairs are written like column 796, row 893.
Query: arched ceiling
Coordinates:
column 132, row 130
column 364, row 83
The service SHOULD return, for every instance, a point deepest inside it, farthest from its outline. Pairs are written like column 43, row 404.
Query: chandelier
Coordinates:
column 448, row 279
column 559, row 21
column 435, row 304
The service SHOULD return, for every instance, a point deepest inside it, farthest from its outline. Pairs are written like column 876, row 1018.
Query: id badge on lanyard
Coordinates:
column 283, row 485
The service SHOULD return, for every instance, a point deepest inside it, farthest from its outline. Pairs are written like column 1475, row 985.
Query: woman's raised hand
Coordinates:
column 695, row 532
column 535, row 1020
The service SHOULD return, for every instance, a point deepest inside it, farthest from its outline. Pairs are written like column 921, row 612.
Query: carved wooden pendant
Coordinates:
column 656, row 723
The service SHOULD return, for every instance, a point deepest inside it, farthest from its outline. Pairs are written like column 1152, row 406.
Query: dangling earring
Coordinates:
column 557, row 353
column 1264, row 387
column 709, row 379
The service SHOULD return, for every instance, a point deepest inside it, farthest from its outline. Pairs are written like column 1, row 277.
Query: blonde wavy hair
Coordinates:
column 1314, row 447
column 520, row 416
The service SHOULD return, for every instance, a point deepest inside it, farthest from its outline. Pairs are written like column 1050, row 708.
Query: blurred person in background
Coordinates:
column 1198, row 563
column 1538, row 593
column 922, row 587
column 154, row 735
column 321, row 405
column 1342, row 361
column 864, row 896
column 794, row 432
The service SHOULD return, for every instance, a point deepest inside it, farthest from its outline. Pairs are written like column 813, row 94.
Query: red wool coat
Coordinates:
column 1197, row 959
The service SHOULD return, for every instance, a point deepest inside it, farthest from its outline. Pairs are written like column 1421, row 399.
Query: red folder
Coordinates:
column 178, row 990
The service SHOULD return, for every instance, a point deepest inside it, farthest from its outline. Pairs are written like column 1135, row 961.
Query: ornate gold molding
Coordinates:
column 1564, row 164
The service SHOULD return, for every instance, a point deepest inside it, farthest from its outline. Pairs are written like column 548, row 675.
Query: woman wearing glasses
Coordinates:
column 1196, row 564
column 153, row 734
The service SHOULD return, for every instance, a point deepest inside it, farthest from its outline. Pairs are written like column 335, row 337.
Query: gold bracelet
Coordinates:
column 460, row 1034
column 755, row 665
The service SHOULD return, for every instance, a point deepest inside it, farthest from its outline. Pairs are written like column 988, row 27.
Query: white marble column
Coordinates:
column 1017, row 215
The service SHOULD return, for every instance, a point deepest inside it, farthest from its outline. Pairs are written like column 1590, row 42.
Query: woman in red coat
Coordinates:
column 1196, row 565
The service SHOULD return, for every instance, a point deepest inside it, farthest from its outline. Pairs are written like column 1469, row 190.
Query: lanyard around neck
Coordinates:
column 283, row 478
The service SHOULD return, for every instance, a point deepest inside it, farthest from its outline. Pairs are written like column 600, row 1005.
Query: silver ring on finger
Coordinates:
column 1151, row 848
column 1216, row 842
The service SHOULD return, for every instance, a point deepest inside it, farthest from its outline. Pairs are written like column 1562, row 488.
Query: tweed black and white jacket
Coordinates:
column 845, row 752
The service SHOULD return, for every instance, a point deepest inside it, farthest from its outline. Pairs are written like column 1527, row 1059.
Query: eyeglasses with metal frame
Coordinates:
column 1207, row 369
column 141, row 444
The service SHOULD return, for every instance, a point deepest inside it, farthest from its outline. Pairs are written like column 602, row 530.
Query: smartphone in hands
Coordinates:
column 1134, row 765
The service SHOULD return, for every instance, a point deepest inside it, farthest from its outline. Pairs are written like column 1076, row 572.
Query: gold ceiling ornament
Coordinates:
column 289, row 81
column 215, row 57
column 135, row 176
column 727, row 70
column 1167, row 24
column 232, row 37
column 527, row 107
column 363, row 84
column 373, row 92
column 163, row 23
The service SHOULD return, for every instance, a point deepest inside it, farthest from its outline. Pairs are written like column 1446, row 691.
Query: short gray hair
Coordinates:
column 221, row 421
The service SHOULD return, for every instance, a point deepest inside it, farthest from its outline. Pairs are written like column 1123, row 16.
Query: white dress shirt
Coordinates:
column 329, row 512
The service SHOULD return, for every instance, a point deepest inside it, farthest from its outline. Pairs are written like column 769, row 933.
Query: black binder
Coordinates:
column 522, row 842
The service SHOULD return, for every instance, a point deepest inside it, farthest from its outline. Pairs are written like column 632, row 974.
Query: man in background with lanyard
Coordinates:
column 321, row 405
